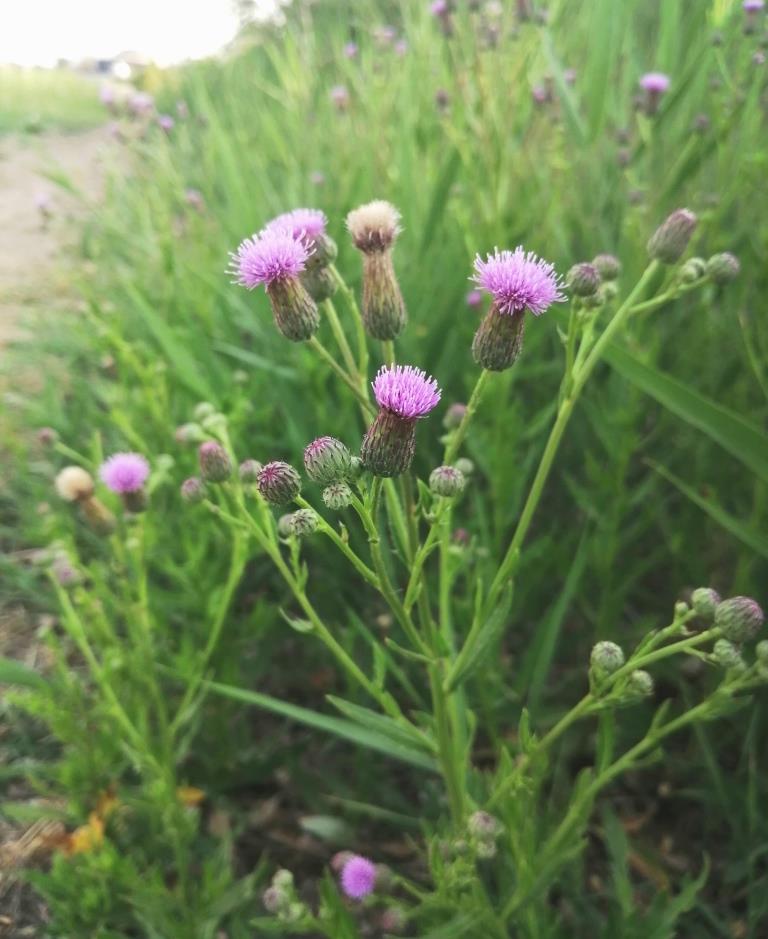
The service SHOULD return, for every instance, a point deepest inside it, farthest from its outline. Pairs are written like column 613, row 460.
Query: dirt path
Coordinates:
column 36, row 217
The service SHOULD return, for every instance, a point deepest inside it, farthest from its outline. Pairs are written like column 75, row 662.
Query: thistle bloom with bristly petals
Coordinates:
column 276, row 259
column 358, row 877
column 404, row 395
column 517, row 281
column 124, row 472
column 655, row 82
column 308, row 226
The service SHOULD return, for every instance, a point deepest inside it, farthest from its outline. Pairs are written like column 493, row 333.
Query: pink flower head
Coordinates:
column 406, row 391
column 358, row 877
column 340, row 96
column 473, row 299
column 518, row 280
column 656, row 83
column 141, row 102
column 753, row 6
column 401, row 47
column 300, row 223
column 438, row 7
column 124, row 472
column 267, row 257
column 107, row 95
column 165, row 122
column 350, row 50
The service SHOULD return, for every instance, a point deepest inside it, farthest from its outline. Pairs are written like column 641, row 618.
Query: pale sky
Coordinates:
column 38, row 32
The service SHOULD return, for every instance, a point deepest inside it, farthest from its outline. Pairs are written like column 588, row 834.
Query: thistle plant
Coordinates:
column 397, row 537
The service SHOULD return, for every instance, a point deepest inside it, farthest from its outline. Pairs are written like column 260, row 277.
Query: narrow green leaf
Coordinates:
column 479, row 643
column 14, row 673
column 346, row 730
column 386, row 726
column 741, row 439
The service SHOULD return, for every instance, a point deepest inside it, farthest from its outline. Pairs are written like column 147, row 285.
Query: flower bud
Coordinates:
column 447, row 481
column 279, row 482
column 215, row 464
column 723, row 268
column 608, row 266
column 294, row 310
column 191, row 432
column 275, row 899
column 454, row 416
column 484, row 826
column 356, row 468
column 606, row 657
column 303, row 522
column 392, row 920
column 498, row 340
column 74, row 484
column 739, row 618
column 486, row 849
column 668, row 243
column 640, row 684
column 284, row 524
column 193, row 490
column 327, row 460
column 583, row 279
column 761, row 651
column 65, row 572
column 704, row 601
column 249, row 471
column 202, row 410
column 693, row 269
column 282, row 879
column 47, row 436
column 465, row 465
column 337, row 496
column 728, row 655
column 319, row 283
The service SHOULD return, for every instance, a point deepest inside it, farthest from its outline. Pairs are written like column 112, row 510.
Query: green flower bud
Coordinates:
column 356, row 468
column 640, row 684
column 606, row 657
column 249, row 471
column 693, row 269
column 761, row 651
column 608, row 266
column 275, row 899
column 337, row 496
column 303, row 522
column 739, row 618
column 215, row 464
column 704, row 602
column 279, row 482
column 465, row 466
column 728, row 655
column 193, row 490
column 484, row 826
column 319, row 283
column 447, row 481
column 284, row 525
column 608, row 291
column 293, row 309
column 668, row 243
column 723, row 268
column 283, row 879
column 203, row 410
column 486, row 849
column 583, row 280
column 327, row 460
column 454, row 416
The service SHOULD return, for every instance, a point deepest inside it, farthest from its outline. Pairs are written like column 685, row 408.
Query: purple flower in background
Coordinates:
column 569, row 76
column 141, row 103
column 540, row 94
column 358, row 877
column 299, row 222
column 124, row 472
column 107, row 96
column 165, row 122
column 753, row 6
column 406, row 391
column 474, row 299
column 268, row 257
column 340, row 96
column 438, row 7
column 194, row 199
column 384, row 35
column 401, row 47
column 350, row 50
column 656, row 83
column 518, row 280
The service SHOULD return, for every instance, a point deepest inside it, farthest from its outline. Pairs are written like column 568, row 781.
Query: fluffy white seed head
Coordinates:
column 374, row 226
column 74, row 483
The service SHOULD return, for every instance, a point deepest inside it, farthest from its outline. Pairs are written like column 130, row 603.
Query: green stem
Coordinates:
column 362, row 343
column 357, row 562
column 581, row 374
column 457, row 437
column 326, row 356
column 388, row 352
column 341, row 339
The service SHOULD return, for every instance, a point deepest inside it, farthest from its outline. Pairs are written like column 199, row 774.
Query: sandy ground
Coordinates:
column 33, row 240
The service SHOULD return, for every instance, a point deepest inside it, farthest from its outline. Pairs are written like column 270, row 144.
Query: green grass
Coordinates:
column 660, row 485
column 32, row 100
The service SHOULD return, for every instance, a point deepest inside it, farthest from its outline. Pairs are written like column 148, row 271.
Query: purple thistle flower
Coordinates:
column 300, row 223
column 401, row 47
column 474, row 299
column 358, row 877
column 340, row 96
column 270, row 256
column 141, row 103
column 406, row 391
column 438, row 7
column 518, row 280
column 165, row 122
column 124, row 472
column 350, row 50
column 753, row 6
column 655, row 82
